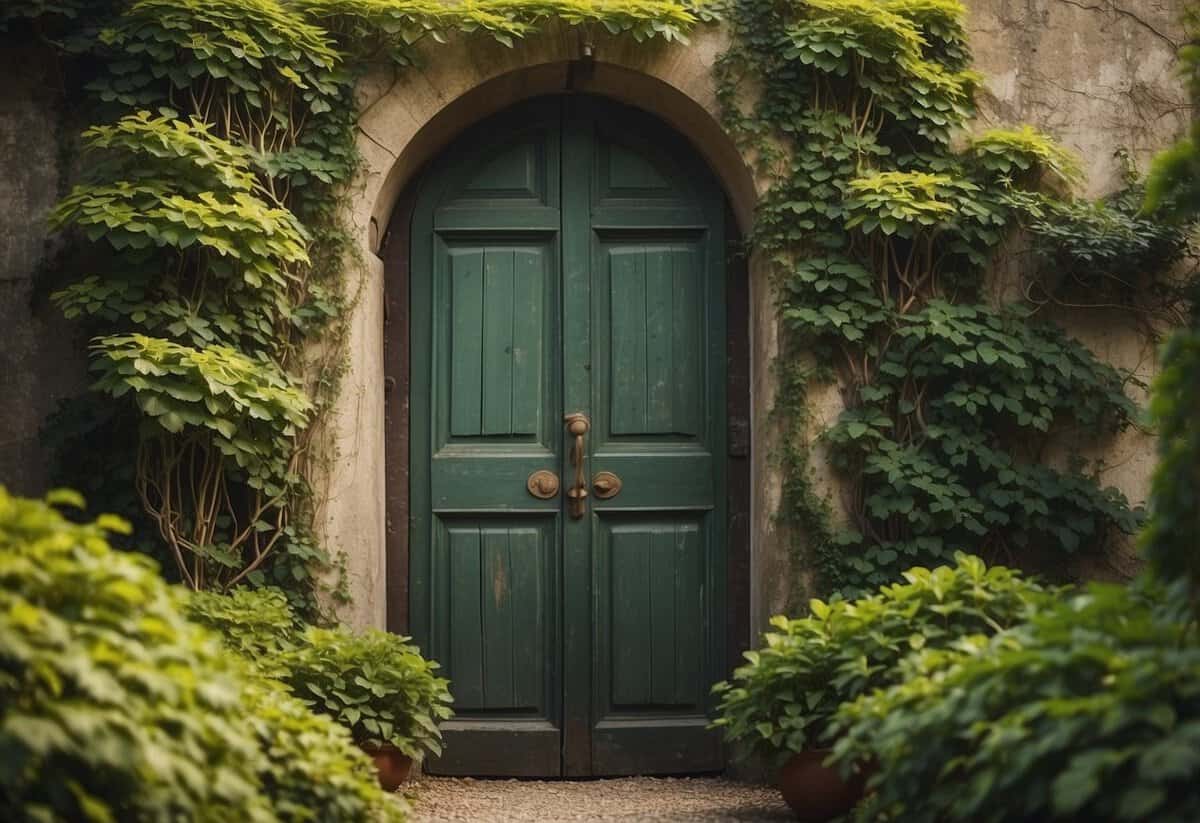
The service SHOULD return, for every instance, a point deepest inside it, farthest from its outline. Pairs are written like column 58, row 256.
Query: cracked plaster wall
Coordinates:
column 1101, row 77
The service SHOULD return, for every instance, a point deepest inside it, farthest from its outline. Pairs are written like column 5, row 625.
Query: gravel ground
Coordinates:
column 634, row 798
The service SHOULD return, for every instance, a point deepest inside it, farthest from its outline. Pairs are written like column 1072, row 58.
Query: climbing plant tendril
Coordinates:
column 880, row 235
column 215, row 264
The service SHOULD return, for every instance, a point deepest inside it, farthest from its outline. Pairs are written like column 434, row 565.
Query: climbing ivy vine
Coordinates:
column 211, row 265
column 881, row 229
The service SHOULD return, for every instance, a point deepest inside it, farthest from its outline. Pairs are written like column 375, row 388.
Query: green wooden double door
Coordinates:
column 568, row 433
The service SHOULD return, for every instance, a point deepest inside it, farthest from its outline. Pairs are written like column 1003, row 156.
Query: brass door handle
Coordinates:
column 578, row 426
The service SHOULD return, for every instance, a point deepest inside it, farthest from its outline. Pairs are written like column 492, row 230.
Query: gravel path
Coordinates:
column 634, row 798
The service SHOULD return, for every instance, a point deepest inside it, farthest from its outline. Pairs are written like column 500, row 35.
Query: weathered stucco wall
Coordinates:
column 1100, row 76
column 40, row 361
column 1096, row 74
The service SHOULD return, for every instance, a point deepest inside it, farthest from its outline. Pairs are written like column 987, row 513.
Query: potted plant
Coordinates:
column 783, row 701
column 380, row 687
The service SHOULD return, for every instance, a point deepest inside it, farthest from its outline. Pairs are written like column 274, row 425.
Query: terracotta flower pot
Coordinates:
column 815, row 792
column 392, row 765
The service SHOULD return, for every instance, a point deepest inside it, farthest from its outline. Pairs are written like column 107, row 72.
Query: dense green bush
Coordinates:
column 376, row 684
column 115, row 707
column 1173, row 193
column 784, row 699
column 316, row 772
column 259, row 624
column 1090, row 711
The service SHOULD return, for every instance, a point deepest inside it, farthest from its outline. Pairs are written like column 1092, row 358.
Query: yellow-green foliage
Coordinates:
column 1010, row 152
column 894, row 32
column 249, row 409
column 906, row 195
column 935, row 16
column 253, row 30
column 114, row 708
column 396, row 25
column 166, row 138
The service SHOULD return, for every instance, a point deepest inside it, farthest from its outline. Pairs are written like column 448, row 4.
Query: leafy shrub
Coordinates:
column 376, row 684
column 1173, row 194
column 783, row 701
column 1090, row 711
column 1170, row 539
column 316, row 772
column 259, row 624
column 114, row 707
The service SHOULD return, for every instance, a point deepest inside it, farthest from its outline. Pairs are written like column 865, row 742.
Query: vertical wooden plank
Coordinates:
column 662, row 626
column 466, row 625
column 529, row 291
column 497, row 620
column 689, row 614
column 526, row 605
column 466, row 342
column 497, row 341
column 660, row 332
column 688, row 393
column 627, row 283
column 630, row 618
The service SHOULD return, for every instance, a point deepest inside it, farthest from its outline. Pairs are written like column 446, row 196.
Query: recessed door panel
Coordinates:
column 654, row 346
column 653, row 609
column 496, row 640
column 500, row 300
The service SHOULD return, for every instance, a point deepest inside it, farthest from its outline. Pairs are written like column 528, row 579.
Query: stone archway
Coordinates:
column 407, row 117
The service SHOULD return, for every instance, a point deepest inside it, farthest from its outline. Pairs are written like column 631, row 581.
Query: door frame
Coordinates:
column 395, row 249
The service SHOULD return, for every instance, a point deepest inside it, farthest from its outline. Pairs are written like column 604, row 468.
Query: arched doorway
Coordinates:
column 569, row 503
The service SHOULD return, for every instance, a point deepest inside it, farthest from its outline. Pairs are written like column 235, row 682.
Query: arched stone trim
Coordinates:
column 407, row 116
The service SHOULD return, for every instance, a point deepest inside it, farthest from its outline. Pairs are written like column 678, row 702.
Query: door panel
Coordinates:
column 654, row 612
column 649, row 302
column 654, row 318
column 499, row 578
column 567, row 257
column 498, row 308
